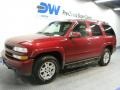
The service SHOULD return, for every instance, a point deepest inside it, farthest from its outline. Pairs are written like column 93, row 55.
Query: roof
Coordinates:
column 88, row 20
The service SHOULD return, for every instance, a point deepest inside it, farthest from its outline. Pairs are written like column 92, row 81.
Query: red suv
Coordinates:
column 62, row 44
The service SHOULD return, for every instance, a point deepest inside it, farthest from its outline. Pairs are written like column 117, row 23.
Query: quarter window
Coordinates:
column 96, row 31
column 108, row 30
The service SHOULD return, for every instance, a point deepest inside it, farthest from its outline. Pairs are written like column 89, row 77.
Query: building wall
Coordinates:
column 19, row 17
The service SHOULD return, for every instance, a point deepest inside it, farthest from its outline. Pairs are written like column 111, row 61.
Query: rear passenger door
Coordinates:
column 97, row 39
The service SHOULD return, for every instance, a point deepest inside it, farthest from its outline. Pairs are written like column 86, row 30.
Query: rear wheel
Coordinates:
column 105, row 58
column 45, row 69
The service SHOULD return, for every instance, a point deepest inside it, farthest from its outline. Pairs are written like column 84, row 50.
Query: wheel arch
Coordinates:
column 58, row 55
column 110, row 47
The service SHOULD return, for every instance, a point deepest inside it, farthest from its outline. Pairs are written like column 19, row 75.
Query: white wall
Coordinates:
column 18, row 17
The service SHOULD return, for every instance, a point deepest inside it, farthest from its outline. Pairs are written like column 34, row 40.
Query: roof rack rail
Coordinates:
column 94, row 20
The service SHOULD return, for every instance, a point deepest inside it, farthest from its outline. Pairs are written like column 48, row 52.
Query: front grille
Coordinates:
column 8, row 54
column 8, row 46
column 8, row 49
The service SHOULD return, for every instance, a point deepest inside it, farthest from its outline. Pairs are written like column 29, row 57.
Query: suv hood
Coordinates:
column 31, row 38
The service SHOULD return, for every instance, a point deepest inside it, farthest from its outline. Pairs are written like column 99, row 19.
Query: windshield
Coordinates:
column 56, row 28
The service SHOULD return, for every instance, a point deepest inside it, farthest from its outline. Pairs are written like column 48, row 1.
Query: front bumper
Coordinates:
column 22, row 67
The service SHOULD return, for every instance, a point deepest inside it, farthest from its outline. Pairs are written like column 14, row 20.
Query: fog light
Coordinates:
column 20, row 57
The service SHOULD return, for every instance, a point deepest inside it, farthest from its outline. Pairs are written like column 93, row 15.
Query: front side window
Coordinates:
column 108, row 30
column 81, row 27
column 96, row 31
column 56, row 28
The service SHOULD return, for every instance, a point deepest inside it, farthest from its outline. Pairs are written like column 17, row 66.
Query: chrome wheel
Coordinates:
column 47, row 70
column 106, row 57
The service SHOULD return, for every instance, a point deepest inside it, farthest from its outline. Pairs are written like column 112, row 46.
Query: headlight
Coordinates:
column 20, row 49
column 20, row 57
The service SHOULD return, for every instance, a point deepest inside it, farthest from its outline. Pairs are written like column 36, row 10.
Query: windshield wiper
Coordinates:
column 47, row 33
column 39, row 32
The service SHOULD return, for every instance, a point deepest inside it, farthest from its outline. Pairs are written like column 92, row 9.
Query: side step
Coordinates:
column 81, row 63
column 72, row 70
column 80, row 68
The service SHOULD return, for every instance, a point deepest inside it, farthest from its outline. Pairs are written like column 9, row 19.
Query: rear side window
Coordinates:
column 96, row 31
column 108, row 30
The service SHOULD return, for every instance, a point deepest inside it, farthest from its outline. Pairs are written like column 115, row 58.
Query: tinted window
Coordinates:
column 96, row 31
column 108, row 30
column 81, row 27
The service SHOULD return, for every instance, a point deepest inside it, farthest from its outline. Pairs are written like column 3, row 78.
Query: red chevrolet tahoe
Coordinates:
column 62, row 44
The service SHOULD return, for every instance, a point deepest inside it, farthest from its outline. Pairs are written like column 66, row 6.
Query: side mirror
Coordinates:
column 75, row 35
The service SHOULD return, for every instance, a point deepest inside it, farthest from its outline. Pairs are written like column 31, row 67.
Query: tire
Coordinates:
column 45, row 70
column 105, row 58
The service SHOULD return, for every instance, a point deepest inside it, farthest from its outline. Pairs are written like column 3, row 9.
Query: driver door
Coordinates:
column 79, row 47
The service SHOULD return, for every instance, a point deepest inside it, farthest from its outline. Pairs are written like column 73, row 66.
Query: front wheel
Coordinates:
column 105, row 58
column 45, row 70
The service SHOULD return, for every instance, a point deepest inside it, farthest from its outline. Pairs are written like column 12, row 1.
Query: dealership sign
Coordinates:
column 48, row 9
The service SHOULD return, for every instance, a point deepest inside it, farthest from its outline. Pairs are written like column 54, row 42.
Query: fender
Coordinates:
column 108, row 44
column 37, row 52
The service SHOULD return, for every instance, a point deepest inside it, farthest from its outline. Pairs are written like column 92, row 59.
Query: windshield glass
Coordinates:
column 56, row 28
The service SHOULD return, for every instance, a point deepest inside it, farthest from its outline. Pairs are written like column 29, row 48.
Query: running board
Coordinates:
column 81, row 63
